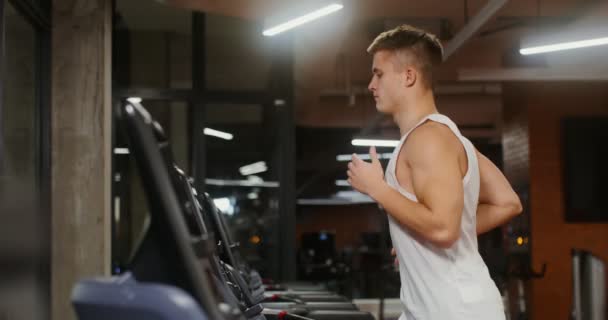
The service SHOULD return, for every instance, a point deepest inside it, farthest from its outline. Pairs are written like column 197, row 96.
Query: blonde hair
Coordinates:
column 416, row 45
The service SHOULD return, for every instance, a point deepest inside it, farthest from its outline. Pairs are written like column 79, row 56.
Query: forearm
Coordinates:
column 498, row 203
column 413, row 215
column 492, row 216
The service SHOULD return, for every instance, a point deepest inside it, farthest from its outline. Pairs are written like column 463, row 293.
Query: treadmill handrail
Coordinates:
column 164, row 206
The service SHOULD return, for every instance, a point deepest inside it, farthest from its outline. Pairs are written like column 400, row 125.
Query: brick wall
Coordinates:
column 516, row 149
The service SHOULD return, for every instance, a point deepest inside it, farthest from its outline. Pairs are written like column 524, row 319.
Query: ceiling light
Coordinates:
column 340, row 198
column 375, row 142
column 564, row 46
column 121, row 150
column 242, row 183
column 217, row 133
column 342, row 183
column 255, row 179
column 224, row 205
column 302, row 19
column 134, row 99
column 253, row 168
column 365, row 156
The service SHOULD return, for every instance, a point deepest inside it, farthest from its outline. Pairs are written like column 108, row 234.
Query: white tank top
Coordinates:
column 437, row 283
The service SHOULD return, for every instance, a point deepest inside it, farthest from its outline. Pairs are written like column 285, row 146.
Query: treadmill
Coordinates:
column 248, row 303
column 253, row 276
column 172, row 258
column 243, row 290
column 193, row 213
column 170, row 274
column 232, row 257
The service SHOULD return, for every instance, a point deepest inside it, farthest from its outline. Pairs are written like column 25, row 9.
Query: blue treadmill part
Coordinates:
column 123, row 298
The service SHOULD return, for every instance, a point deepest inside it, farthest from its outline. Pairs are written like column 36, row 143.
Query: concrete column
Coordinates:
column 81, row 146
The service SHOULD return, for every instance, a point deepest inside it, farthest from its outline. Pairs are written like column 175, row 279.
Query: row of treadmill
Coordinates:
column 186, row 266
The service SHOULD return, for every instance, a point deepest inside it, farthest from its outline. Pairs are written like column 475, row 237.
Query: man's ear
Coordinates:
column 411, row 76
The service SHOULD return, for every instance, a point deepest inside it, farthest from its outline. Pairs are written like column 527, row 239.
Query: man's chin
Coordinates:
column 380, row 108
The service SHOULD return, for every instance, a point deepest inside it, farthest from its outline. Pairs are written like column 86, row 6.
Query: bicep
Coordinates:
column 494, row 187
column 437, row 179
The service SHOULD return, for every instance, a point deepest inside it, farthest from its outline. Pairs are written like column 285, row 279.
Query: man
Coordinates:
column 438, row 190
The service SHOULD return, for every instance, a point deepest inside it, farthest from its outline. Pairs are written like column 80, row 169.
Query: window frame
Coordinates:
column 38, row 16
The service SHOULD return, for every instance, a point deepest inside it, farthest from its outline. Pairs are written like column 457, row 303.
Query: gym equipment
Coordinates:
column 251, row 296
column 232, row 257
column 249, row 299
column 105, row 299
column 588, row 286
column 176, row 252
column 168, row 254
column 522, row 271
column 197, row 225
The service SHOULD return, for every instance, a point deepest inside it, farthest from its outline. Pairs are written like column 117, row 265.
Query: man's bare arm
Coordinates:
column 498, row 203
column 437, row 180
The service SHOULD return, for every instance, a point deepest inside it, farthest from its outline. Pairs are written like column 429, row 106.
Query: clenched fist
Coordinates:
column 366, row 177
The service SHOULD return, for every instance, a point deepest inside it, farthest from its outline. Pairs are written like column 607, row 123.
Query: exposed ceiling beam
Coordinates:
column 474, row 25
column 533, row 74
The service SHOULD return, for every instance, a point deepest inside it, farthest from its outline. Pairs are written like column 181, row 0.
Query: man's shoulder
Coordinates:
column 429, row 142
column 431, row 134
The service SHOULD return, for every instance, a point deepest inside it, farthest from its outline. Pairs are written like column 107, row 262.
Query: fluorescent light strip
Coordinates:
column 224, row 205
column 121, row 151
column 253, row 168
column 342, row 183
column 302, row 19
column 565, row 46
column 348, row 157
column 351, row 194
column 134, row 99
column 375, row 142
column 241, row 183
column 340, row 198
column 217, row 133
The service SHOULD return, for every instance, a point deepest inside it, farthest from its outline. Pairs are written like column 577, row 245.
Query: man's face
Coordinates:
column 388, row 83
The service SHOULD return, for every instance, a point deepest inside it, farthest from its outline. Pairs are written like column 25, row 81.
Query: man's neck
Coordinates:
column 413, row 112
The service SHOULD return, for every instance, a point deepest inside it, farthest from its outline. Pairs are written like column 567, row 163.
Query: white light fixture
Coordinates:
column 121, row 150
column 348, row 157
column 340, row 198
column 342, row 183
column 224, row 205
column 351, row 194
column 242, row 183
column 255, row 179
column 365, row 156
column 253, row 168
column 302, row 19
column 134, row 99
column 375, row 142
column 117, row 209
column 564, row 46
column 218, row 134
